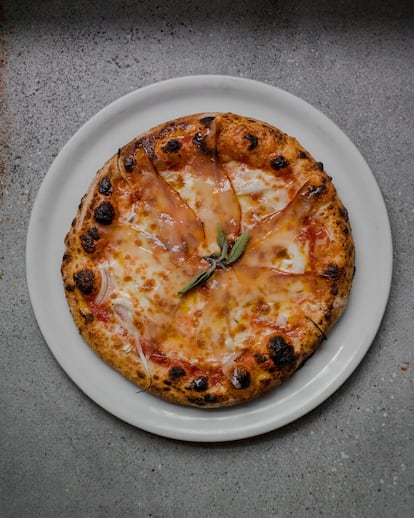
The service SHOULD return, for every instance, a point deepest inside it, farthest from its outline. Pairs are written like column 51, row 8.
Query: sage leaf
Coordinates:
column 221, row 238
column 198, row 280
column 238, row 247
column 218, row 260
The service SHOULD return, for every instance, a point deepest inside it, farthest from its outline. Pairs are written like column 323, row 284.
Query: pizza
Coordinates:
column 209, row 258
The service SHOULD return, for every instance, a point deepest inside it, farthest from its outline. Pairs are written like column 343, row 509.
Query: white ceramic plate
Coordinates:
column 68, row 179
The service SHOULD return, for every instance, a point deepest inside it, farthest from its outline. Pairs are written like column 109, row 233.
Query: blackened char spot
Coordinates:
column 200, row 384
column 172, row 146
column 206, row 121
column 302, row 154
column 149, row 147
column 105, row 186
column 85, row 281
column 104, row 213
column 280, row 352
column 88, row 317
column 88, row 243
column 199, row 140
column 170, row 128
column 253, row 141
column 332, row 271
column 260, row 358
column 279, row 163
column 320, row 165
column 148, row 144
column 317, row 190
column 69, row 287
column 240, row 378
column 176, row 372
column 129, row 163
column 93, row 232
column 210, row 398
column 344, row 213
column 328, row 313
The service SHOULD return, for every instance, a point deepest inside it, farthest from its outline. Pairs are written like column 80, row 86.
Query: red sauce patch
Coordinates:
column 311, row 233
column 160, row 359
column 100, row 311
column 218, row 377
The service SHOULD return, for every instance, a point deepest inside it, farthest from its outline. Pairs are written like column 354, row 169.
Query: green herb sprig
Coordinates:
column 219, row 260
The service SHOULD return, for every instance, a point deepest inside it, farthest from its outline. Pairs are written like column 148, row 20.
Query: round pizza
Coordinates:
column 209, row 258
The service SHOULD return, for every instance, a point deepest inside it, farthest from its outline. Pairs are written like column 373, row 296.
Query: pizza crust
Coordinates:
column 149, row 218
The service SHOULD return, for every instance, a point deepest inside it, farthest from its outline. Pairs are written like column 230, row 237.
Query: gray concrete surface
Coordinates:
column 60, row 454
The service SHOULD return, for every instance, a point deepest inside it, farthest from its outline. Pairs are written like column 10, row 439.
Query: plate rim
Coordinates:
column 212, row 81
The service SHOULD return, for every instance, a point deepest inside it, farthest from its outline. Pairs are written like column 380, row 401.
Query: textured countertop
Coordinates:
column 62, row 455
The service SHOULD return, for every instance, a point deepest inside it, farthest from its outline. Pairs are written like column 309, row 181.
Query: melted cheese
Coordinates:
column 167, row 222
column 208, row 191
column 259, row 192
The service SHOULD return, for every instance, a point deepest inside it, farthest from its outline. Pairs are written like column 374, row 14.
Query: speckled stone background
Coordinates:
column 61, row 455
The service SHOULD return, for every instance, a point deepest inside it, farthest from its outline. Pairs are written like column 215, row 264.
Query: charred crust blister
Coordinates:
column 176, row 372
column 94, row 233
column 147, row 143
column 85, row 281
column 278, row 163
column 260, row 358
column 317, row 190
column 105, row 186
column 332, row 272
column 240, row 377
column 253, row 141
column 161, row 134
column 198, row 138
column 88, row 243
column 170, row 128
column 88, row 317
column 200, row 384
column 280, row 352
column 129, row 163
column 172, row 146
column 104, row 213
column 199, row 141
column 302, row 155
column 328, row 313
column 320, row 166
column 344, row 213
column 206, row 121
